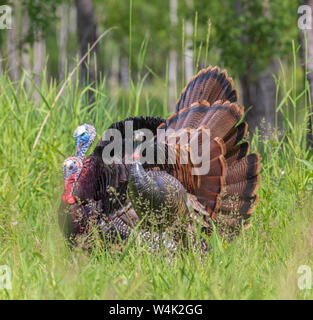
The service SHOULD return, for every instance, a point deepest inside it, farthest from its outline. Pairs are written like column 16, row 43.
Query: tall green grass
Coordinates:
column 261, row 263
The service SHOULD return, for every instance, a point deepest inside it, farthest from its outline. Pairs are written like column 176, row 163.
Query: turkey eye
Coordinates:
column 71, row 167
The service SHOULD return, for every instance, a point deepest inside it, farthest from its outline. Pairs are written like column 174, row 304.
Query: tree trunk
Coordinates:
column 72, row 29
column 12, row 49
column 39, row 56
column 39, row 64
column 188, row 46
column 26, row 50
column 63, row 38
column 307, row 57
column 87, row 35
column 259, row 93
column 172, row 66
column 12, row 53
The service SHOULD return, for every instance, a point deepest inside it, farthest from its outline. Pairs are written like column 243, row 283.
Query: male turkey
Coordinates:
column 87, row 181
column 83, row 222
column 226, row 194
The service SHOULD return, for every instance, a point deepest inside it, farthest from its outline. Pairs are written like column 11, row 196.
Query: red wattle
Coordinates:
column 68, row 186
column 70, row 199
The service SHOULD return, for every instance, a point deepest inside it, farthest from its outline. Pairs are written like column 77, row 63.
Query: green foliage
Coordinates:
column 251, row 36
column 41, row 14
column 146, row 24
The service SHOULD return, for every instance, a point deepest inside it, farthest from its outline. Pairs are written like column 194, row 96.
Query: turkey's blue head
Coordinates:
column 72, row 167
column 84, row 136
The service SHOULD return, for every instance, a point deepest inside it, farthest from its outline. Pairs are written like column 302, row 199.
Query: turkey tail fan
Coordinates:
column 209, row 84
column 233, row 179
column 206, row 185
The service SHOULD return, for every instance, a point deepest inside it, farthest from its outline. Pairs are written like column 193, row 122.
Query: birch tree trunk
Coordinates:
column 63, row 38
column 26, row 50
column 188, row 45
column 12, row 49
column 72, row 29
column 12, row 52
column 87, row 35
column 39, row 57
column 172, row 66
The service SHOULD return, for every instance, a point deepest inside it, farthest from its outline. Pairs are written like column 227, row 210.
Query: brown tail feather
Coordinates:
column 224, row 118
column 220, row 117
column 242, row 183
column 235, row 136
column 243, row 169
column 237, row 153
column 244, row 189
column 209, row 84
column 206, row 187
column 216, row 170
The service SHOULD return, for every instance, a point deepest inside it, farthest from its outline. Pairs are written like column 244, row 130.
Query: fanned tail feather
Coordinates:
column 242, row 183
column 208, row 104
column 210, row 84
column 232, row 181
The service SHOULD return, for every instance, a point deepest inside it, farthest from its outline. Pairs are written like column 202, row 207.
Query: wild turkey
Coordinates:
column 228, row 191
column 84, row 222
column 227, row 194
column 87, row 181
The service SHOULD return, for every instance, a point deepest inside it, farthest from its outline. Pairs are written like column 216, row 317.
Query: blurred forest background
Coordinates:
column 160, row 42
